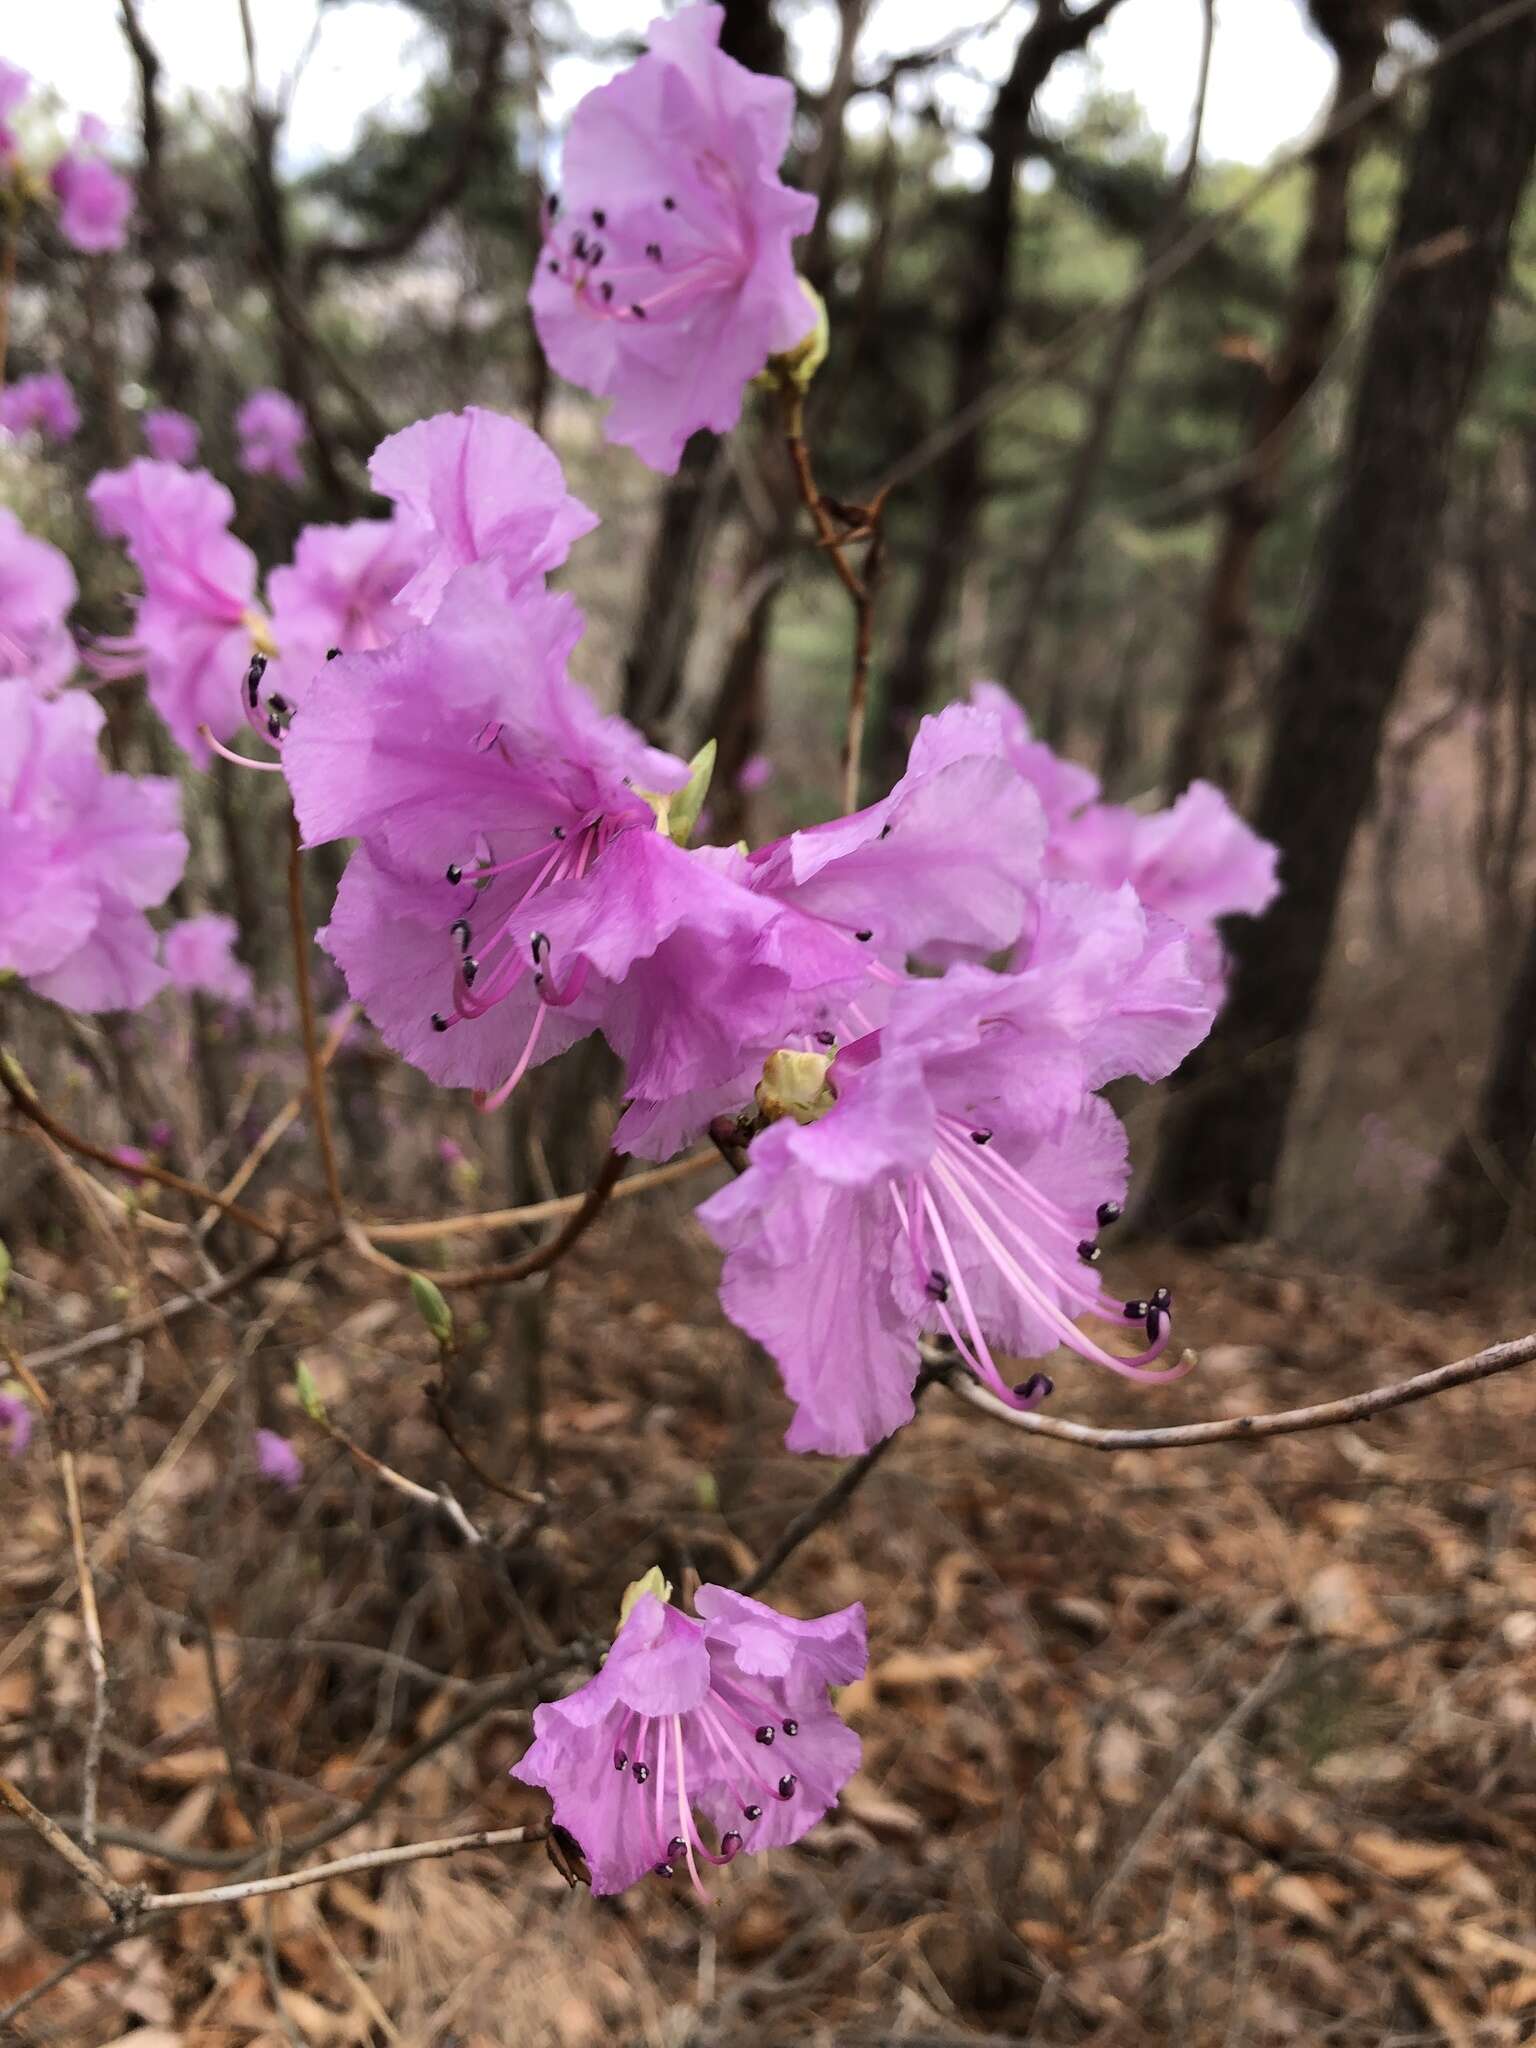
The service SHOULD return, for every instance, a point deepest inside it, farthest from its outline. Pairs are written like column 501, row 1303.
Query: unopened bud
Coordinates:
column 795, row 1084
column 432, row 1307
column 654, row 1581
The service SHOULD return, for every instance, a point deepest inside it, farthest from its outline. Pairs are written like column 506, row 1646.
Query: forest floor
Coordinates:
column 1223, row 1746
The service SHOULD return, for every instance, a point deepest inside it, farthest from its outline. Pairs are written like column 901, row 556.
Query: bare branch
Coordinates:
column 539, row 1212
column 1339, row 1414
column 342, row 1866
column 122, row 1899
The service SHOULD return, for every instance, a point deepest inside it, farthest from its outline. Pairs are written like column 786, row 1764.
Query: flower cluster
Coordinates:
column 724, row 1720
column 271, row 430
column 95, row 203
column 83, row 854
column 37, row 589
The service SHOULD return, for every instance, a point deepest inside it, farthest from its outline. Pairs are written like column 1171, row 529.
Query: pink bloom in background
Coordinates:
column 666, row 280
column 756, row 773
column 37, row 588
column 341, row 591
column 15, row 1424
column 171, row 437
column 726, row 1718
column 271, row 430
column 95, row 202
column 83, row 853
column 957, row 1180
column 479, row 487
column 511, row 892
column 44, row 402
column 277, row 1460
column 15, row 84
column 192, row 628
column 199, row 955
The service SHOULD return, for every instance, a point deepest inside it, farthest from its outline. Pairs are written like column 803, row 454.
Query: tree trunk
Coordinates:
column 1251, row 502
column 1485, row 1184
column 1224, row 1131
column 1053, row 33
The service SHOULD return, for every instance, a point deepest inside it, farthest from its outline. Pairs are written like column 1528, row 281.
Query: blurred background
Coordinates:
column 1193, row 341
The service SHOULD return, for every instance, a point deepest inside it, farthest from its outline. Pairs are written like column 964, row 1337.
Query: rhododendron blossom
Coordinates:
column 37, row 588
column 199, row 956
column 95, row 202
column 666, row 280
column 724, row 1720
column 171, row 436
column 43, row 403
column 952, row 1175
column 15, row 1424
column 83, row 853
column 512, row 891
column 192, row 629
column 272, row 431
column 277, row 1460
column 479, row 487
column 340, row 592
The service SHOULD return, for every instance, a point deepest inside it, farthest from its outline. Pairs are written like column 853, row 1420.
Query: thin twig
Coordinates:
column 543, row 1256
column 430, row 1497
column 1351, row 1408
column 179, row 1304
column 343, row 1866
column 538, row 1212
column 285, row 1116
column 33, row 1110
column 95, row 1651
column 122, row 1899
column 304, row 987
column 860, row 523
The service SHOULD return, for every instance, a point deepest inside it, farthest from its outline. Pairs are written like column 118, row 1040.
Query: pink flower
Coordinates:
column 95, row 202
column 199, row 954
column 15, row 1424
column 277, row 1460
column 956, row 1178
column 272, row 430
column 512, row 892
column 756, row 773
column 666, row 280
column 15, row 84
column 341, row 590
column 44, row 402
column 37, row 588
column 480, row 488
column 192, row 628
column 171, row 437
column 83, row 853
column 1062, row 786
column 726, row 1718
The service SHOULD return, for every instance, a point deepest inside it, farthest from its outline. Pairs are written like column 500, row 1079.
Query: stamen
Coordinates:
column 240, row 760
column 981, row 1137
column 787, row 1785
column 1089, row 1252
column 1109, row 1212
column 459, row 930
column 455, row 873
column 791, row 1727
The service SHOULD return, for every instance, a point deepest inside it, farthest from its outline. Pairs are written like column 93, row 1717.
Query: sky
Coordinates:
column 1269, row 78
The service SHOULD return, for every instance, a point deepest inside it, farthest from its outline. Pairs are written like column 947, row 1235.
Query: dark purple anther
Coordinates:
column 753, row 1812
column 455, row 873
column 638, row 311
column 936, row 1287
column 459, row 930
column 676, row 1848
column 765, row 1734
column 864, row 937
column 791, row 1727
column 439, row 1023
column 642, row 1772
column 1162, row 1297
column 826, row 1038
column 471, row 969
column 600, row 220
column 1089, row 1252
column 1136, row 1311
column 981, row 1137
column 1109, row 1212
column 620, row 1760
column 730, row 1842
column 787, row 1785
column 1038, row 1387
